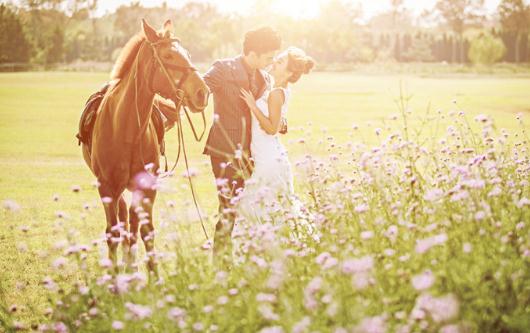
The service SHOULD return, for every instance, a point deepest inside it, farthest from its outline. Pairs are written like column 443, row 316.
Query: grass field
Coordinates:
column 40, row 159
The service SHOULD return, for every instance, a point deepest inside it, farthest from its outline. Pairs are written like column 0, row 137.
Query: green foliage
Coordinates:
column 515, row 18
column 514, row 15
column 486, row 49
column 14, row 46
column 460, row 13
column 420, row 50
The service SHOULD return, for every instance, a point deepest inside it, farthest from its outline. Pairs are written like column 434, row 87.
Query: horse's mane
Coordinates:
column 127, row 56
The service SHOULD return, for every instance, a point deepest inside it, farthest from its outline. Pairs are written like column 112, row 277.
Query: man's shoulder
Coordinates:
column 228, row 63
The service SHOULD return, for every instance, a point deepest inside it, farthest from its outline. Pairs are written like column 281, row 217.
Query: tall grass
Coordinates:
column 413, row 234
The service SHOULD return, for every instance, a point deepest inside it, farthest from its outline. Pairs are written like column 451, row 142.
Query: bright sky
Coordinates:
column 295, row 8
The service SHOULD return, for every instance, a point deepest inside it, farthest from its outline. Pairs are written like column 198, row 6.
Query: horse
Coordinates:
column 124, row 153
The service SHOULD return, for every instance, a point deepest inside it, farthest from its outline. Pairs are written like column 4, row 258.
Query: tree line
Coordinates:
column 456, row 31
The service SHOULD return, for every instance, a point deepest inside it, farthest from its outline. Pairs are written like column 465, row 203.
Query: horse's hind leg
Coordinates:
column 147, row 229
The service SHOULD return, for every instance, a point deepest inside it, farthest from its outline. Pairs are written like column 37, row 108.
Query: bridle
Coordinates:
column 178, row 96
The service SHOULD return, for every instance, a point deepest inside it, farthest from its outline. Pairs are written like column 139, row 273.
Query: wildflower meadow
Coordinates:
column 424, row 228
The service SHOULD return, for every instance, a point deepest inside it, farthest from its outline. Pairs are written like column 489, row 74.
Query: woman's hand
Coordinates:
column 249, row 99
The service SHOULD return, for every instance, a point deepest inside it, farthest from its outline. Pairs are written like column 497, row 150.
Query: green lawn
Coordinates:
column 39, row 156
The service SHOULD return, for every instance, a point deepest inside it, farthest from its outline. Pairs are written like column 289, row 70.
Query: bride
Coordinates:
column 270, row 188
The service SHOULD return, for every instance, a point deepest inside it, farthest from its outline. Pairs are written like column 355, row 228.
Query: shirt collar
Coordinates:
column 247, row 68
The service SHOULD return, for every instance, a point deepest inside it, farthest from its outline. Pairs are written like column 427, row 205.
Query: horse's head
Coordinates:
column 174, row 76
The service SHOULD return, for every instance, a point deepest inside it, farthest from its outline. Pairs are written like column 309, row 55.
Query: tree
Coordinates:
column 396, row 11
column 514, row 17
column 420, row 49
column 14, row 46
column 459, row 14
column 55, row 50
column 486, row 49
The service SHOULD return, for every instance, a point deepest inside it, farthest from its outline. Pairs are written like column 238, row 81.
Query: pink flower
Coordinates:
column 371, row 325
column 176, row 314
column 452, row 329
column 363, row 264
column 460, row 195
column 326, row 261
column 265, row 298
column 117, row 325
column 362, row 208
column 59, row 262
column 198, row 326
column 60, row 327
column 367, row 234
column 11, row 205
column 423, row 281
column 433, row 195
column 480, row 215
column 302, row 326
column 424, row 245
column 361, row 280
column 495, row 192
column 192, row 172
column 474, row 183
column 441, row 309
column 267, row 312
column 145, row 180
column 137, row 311
column 523, row 202
column 271, row 329
column 222, row 300
column 482, row 118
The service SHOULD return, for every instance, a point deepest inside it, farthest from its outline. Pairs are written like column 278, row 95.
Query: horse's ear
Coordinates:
column 168, row 27
column 149, row 32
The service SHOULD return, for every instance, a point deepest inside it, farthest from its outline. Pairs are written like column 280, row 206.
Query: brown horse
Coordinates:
column 125, row 153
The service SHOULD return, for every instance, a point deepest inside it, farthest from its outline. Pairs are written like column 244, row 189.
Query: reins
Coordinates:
column 178, row 96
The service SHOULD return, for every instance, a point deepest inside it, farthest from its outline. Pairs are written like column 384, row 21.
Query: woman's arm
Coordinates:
column 270, row 124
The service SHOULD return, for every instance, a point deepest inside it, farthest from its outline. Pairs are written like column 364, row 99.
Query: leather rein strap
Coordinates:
column 178, row 99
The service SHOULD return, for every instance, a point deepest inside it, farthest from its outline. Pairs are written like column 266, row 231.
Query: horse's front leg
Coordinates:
column 130, row 260
column 123, row 216
column 112, row 231
column 147, row 229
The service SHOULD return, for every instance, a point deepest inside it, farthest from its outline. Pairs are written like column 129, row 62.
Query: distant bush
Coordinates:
column 486, row 49
column 420, row 50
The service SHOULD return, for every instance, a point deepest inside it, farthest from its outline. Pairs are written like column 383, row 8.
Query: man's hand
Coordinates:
column 283, row 126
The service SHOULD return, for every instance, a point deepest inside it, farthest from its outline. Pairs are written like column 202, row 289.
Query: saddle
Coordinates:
column 89, row 114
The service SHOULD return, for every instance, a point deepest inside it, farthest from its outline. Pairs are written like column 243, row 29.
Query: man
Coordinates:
column 228, row 143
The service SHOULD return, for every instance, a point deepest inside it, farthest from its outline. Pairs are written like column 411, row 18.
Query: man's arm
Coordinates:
column 215, row 76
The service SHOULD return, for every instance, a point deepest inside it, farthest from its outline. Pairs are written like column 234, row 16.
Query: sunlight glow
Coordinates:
column 294, row 8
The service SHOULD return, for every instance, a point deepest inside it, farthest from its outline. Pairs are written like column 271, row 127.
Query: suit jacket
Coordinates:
column 231, row 128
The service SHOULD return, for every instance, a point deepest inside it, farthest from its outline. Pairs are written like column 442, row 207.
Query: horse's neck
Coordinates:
column 136, row 92
column 131, row 103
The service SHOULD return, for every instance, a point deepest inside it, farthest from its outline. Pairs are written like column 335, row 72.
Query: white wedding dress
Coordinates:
column 270, row 188
column 268, row 199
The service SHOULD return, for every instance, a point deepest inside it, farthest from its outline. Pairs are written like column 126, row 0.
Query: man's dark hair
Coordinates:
column 261, row 41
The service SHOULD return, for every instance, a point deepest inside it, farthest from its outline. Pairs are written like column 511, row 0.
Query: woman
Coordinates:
column 270, row 188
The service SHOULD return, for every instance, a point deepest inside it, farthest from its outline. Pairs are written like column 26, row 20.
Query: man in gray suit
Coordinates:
column 228, row 143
